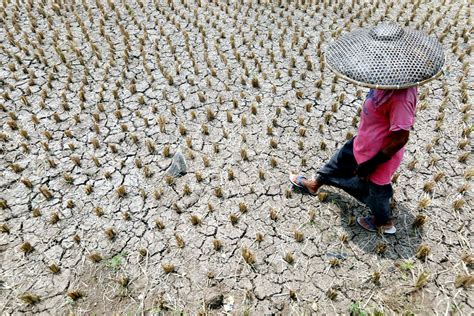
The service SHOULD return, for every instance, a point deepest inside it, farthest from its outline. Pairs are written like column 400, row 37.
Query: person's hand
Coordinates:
column 365, row 169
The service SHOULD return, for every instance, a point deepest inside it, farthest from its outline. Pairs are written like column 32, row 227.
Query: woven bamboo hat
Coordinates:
column 386, row 57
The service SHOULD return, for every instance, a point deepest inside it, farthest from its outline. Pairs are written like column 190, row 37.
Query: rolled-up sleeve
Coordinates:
column 403, row 110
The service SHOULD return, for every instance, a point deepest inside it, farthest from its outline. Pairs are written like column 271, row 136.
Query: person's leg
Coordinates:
column 379, row 203
column 340, row 173
column 342, row 163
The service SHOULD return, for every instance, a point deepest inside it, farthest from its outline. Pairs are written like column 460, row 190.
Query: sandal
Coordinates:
column 299, row 184
column 368, row 224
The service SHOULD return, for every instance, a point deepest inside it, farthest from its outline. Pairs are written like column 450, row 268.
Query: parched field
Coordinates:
column 97, row 97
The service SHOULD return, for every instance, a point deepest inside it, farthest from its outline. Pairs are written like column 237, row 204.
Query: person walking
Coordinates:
column 392, row 62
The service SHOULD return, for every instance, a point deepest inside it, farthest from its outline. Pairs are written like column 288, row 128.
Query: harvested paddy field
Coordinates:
column 98, row 98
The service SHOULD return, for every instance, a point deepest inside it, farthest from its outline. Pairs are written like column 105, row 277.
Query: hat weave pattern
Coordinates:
column 386, row 56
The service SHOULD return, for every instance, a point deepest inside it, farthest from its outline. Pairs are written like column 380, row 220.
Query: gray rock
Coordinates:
column 178, row 166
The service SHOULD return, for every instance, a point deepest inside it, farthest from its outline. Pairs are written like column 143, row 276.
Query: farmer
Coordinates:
column 392, row 62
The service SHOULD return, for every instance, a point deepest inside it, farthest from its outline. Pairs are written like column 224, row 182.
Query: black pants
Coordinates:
column 340, row 172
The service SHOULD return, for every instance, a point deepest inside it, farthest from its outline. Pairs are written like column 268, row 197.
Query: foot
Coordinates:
column 307, row 186
column 368, row 223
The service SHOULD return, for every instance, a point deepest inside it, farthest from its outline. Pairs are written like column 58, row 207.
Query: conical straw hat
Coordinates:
column 386, row 57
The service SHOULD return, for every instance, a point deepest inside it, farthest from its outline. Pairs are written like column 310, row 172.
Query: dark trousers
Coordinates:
column 340, row 172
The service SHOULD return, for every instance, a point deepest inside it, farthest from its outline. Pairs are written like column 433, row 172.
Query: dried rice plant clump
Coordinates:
column 187, row 189
column 210, row 115
column 159, row 224
column 273, row 214
column 255, row 83
column 26, row 247
column 179, row 241
column 46, row 193
column 381, row 248
column 273, row 143
column 16, row 168
column 217, row 244
column 123, row 281
column 376, row 278
column 464, row 157
column 244, row 154
column 424, row 203
column 77, row 239
column 110, row 233
column 289, row 258
column 420, row 221
column 243, row 207
column 468, row 259
column 438, row 176
column 70, row 204
column 253, row 109
column 95, row 257
column 234, row 219
column 54, row 268
column 169, row 180
column 147, row 172
column 177, row 208
column 3, row 204
column 54, row 219
column 198, row 176
column 88, row 189
column 248, row 255
column 98, row 211
column 143, row 252
column 421, row 280
column 331, row 293
column 322, row 196
column 464, row 280
column 428, row 186
column 230, row 174
column 344, row 238
column 195, row 220
column 323, row 145
column 218, row 192
column 298, row 235
column 464, row 187
column 168, row 268
column 422, row 252
column 335, row 263
column 75, row 295
column 29, row 298
column 121, row 191
column 458, row 204
column 273, row 162
column 4, row 228
column 293, row 295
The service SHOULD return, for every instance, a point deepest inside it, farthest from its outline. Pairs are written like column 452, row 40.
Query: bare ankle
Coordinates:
column 314, row 185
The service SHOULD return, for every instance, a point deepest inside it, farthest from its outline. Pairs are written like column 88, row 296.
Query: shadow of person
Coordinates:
column 401, row 246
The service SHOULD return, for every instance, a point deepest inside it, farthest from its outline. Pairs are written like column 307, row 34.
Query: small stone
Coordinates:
column 178, row 166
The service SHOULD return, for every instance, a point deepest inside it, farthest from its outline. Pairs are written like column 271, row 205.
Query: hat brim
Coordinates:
column 385, row 87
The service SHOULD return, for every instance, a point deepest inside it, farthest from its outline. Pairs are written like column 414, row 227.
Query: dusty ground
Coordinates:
column 97, row 97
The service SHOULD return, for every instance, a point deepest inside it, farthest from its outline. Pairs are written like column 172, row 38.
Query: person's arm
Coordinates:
column 397, row 139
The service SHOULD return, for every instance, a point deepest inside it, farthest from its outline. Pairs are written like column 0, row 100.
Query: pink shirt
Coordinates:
column 384, row 111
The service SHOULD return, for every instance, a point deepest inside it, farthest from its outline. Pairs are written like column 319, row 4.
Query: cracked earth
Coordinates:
column 98, row 96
